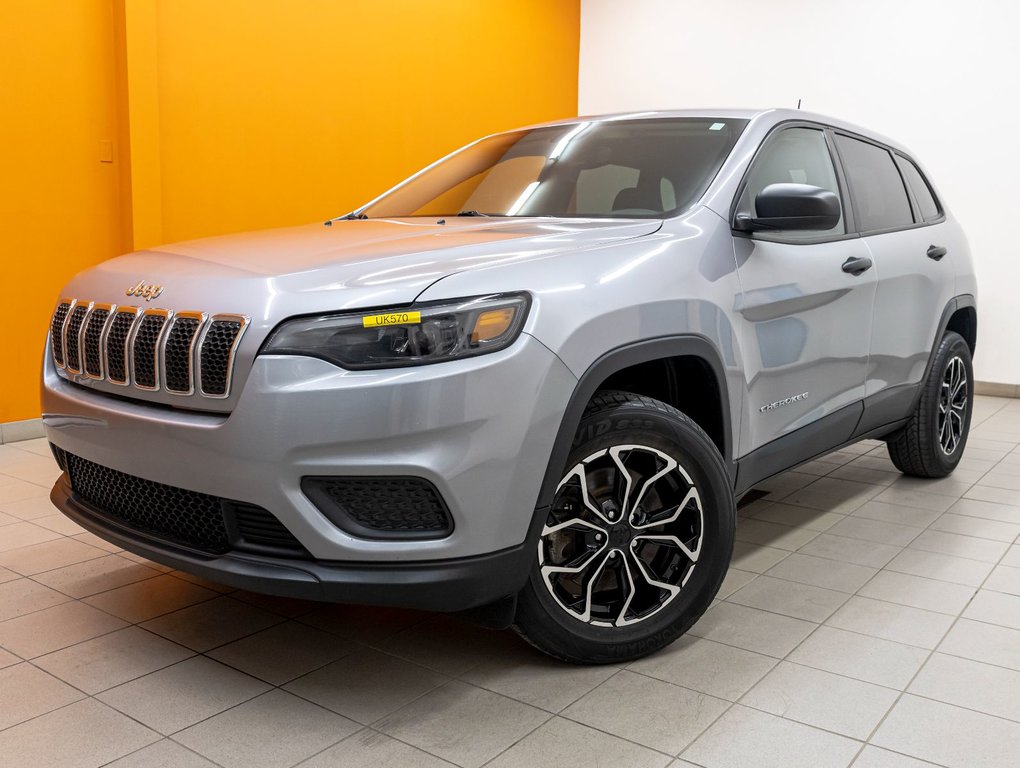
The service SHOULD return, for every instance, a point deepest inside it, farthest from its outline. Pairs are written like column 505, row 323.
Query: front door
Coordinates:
column 804, row 308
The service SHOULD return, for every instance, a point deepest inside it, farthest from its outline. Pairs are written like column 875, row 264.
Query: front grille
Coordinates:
column 381, row 507
column 154, row 349
column 197, row 520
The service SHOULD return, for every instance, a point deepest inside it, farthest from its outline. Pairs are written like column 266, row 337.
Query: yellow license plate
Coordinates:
column 392, row 318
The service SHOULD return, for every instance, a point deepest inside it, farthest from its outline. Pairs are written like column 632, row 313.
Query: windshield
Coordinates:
column 646, row 168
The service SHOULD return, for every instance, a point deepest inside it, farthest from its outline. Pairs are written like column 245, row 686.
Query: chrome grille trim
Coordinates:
column 200, row 317
column 152, row 350
column 244, row 320
column 136, row 346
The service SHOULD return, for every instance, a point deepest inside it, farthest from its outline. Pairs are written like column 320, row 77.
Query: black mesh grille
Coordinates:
column 258, row 528
column 187, row 517
column 73, row 326
column 93, row 335
column 216, row 353
column 144, row 350
column 178, row 353
column 116, row 341
column 56, row 331
column 395, row 506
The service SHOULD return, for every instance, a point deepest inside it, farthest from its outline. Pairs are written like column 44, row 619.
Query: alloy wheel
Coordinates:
column 623, row 536
column 952, row 406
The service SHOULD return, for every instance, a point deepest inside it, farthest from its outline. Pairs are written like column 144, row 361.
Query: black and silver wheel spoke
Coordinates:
column 952, row 409
column 623, row 537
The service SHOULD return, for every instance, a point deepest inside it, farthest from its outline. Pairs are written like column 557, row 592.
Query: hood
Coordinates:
column 275, row 273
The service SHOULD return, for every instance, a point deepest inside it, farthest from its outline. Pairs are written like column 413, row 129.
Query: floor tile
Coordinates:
column 899, row 623
column 7, row 659
column 350, row 686
column 47, row 555
column 995, row 608
column 747, row 738
column 833, row 495
column 162, row 754
column 874, row 757
column 948, row 735
column 703, row 665
column 249, row 735
column 435, row 723
column 897, row 514
column 782, row 485
column 17, row 535
column 150, row 598
column 85, row 734
column 659, row 715
column 183, row 694
column 801, row 601
column 865, row 474
column 371, row 749
column 932, row 565
column 520, row 672
column 734, row 580
column 445, row 644
column 1004, row 578
column 764, row 533
column 996, row 495
column 363, row 624
column 984, row 642
column 970, row 684
column 909, row 497
column 877, row 531
column 822, row 572
column 987, row 510
column 802, row 517
column 752, row 629
column 754, row 558
column 862, row 657
column 212, row 623
column 1012, row 557
column 847, row 550
column 566, row 744
column 54, row 628
column 107, row 661
column 94, row 576
column 822, row 699
column 59, row 523
column 22, row 596
column 977, row 526
column 985, row 550
column 14, row 492
column 307, row 649
column 27, row 692
column 918, row 592
column 95, row 541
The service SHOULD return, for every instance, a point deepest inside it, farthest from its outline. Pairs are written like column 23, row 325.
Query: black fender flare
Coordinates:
column 963, row 301
column 615, row 360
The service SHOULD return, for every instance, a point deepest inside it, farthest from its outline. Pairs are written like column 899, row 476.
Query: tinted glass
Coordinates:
column 880, row 199
column 798, row 155
column 615, row 168
column 919, row 186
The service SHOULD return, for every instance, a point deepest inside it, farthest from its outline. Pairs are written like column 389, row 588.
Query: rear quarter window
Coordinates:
column 919, row 186
column 879, row 197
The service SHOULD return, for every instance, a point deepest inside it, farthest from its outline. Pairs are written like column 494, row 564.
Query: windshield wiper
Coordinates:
column 474, row 213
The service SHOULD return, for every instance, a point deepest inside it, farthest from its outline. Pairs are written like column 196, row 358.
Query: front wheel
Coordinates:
column 638, row 538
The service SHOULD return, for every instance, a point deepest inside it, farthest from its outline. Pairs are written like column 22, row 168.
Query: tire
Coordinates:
column 639, row 468
column 927, row 446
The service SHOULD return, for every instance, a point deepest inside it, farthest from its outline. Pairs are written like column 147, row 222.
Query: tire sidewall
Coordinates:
column 953, row 345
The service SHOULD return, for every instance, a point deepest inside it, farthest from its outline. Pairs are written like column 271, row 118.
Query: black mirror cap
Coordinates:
column 792, row 207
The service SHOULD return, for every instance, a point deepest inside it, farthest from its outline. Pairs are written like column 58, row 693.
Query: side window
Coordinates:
column 880, row 199
column 798, row 155
column 919, row 186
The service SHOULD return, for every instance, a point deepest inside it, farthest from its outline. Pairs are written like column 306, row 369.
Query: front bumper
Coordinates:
column 445, row 585
column 481, row 430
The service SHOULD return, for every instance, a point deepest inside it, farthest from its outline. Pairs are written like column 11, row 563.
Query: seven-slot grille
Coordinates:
column 151, row 349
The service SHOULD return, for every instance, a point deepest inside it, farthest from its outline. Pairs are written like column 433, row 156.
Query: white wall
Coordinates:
column 941, row 77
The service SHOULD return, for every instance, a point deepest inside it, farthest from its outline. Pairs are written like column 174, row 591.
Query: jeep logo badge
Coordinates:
column 143, row 291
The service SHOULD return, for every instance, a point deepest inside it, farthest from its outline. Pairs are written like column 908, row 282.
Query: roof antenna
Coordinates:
column 798, row 103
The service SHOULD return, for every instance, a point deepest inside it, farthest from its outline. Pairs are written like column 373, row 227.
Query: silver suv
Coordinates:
column 530, row 380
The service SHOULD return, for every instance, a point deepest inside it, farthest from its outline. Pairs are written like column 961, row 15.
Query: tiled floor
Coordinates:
column 869, row 619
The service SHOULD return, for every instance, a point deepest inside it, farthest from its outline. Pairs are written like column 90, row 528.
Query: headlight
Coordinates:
column 417, row 335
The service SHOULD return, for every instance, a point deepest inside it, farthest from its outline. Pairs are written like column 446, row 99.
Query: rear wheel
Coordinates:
column 932, row 442
column 638, row 538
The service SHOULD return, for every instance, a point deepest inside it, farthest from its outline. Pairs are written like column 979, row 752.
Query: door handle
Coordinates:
column 936, row 252
column 857, row 265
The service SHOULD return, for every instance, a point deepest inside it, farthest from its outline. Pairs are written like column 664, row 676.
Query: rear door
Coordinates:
column 900, row 223
column 804, row 322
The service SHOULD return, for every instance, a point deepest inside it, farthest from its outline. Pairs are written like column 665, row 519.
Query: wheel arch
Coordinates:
column 672, row 352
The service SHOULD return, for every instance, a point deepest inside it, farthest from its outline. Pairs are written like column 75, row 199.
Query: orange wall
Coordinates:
column 240, row 114
column 59, row 205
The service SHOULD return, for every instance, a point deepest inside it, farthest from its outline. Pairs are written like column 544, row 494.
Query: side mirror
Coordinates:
column 791, row 207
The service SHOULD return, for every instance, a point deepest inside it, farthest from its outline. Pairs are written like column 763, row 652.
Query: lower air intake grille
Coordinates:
column 197, row 520
column 381, row 507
